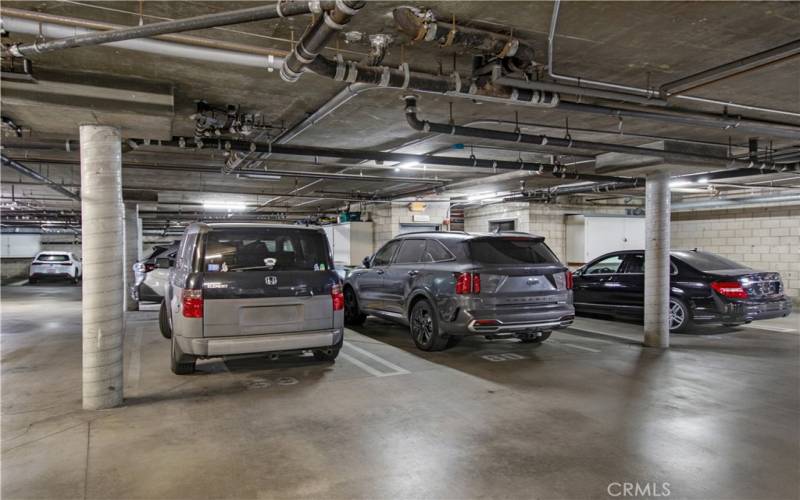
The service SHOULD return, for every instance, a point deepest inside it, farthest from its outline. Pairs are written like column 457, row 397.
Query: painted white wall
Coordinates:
column 20, row 245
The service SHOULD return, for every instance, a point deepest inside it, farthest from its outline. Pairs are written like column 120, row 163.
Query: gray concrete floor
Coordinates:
column 717, row 416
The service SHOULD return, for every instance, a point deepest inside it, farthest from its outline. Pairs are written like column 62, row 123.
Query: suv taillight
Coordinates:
column 338, row 297
column 468, row 283
column 730, row 289
column 570, row 280
column 149, row 267
column 192, row 301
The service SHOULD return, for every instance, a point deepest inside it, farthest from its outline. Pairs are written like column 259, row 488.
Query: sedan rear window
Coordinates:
column 267, row 249
column 47, row 257
column 511, row 251
column 704, row 261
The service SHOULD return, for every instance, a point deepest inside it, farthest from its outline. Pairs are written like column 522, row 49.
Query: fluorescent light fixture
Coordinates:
column 258, row 176
column 679, row 183
column 702, row 180
column 408, row 164
column 223, row 205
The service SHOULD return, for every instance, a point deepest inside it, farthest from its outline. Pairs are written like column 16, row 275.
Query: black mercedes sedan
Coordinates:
column 705, row 288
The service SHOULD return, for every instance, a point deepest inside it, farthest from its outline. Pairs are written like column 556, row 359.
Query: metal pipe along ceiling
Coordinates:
column 542, row 140
column 19, row 167
column 636, row 90
column 273, row 11
column 158, row 47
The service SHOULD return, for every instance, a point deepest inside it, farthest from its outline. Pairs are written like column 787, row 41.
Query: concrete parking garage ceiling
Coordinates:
column 641, row 44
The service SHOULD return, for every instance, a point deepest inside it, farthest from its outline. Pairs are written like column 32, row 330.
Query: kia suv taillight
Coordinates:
column 570, row 280
column 192, row 301
column 729, row 289
column 467, row 283
column 338, row 297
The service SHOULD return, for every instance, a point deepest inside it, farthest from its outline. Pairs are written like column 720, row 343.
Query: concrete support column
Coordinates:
column 133, row 246
column 656, row 262
column 102, row 215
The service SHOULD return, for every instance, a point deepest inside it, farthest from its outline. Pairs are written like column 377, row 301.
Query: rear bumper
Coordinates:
column 517, row 320
column 39, row 276
column 533, row 326
column 743, row 311
column 250, row 344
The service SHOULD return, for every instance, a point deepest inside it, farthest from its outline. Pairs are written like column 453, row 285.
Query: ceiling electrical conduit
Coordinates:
column 556, row 142
column 635, row 90
column 277, row 10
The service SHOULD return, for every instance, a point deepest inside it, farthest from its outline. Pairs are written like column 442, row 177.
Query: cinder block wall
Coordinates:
column 388, row 217
column 764, row 238
column 544, row 220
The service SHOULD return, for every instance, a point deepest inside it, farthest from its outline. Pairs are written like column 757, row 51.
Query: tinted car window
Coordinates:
column 608, row 265
column 511, row 251
column 274, row 249
column 410, row 252
column 435, row 252
column 385, row 254
column 53, row 258
column 704, row 261
column 634, row 264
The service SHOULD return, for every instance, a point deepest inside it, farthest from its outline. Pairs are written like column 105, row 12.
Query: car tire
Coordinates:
column 424, row 327
column 180, row 363
column 680, row 318
column 536, row 340
column 352, row 314
column 32, row 281
column 163, row 321
column 328, row 354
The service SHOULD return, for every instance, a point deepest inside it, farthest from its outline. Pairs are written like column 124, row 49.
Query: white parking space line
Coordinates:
column 771, row 328
column 606, row 334
column 18, row 283
column 372, row 371
column 579, row 347
column 379, row 359
column 584, row 337
column 135, row 364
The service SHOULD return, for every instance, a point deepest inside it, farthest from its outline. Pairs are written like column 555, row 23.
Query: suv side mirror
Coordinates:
column 163, row 263
column 366, row 261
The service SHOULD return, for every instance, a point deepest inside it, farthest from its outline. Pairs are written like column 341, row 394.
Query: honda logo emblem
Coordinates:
column 271, row 280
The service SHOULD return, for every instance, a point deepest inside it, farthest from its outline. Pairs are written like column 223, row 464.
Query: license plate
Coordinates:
column 51, row 271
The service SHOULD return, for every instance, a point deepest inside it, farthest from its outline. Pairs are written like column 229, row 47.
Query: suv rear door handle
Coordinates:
column 413, row 272
column 379, row 271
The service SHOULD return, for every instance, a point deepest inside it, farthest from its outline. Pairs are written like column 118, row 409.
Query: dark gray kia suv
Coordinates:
column 449, row 285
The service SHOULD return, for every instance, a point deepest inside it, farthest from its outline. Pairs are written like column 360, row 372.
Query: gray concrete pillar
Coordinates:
column 102, row 227
column 133, row 245
column 657, row 263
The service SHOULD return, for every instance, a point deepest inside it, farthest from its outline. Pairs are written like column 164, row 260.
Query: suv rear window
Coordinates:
column 47, row 257
column 269, row 249
column 511, row 251
column 704, row 261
